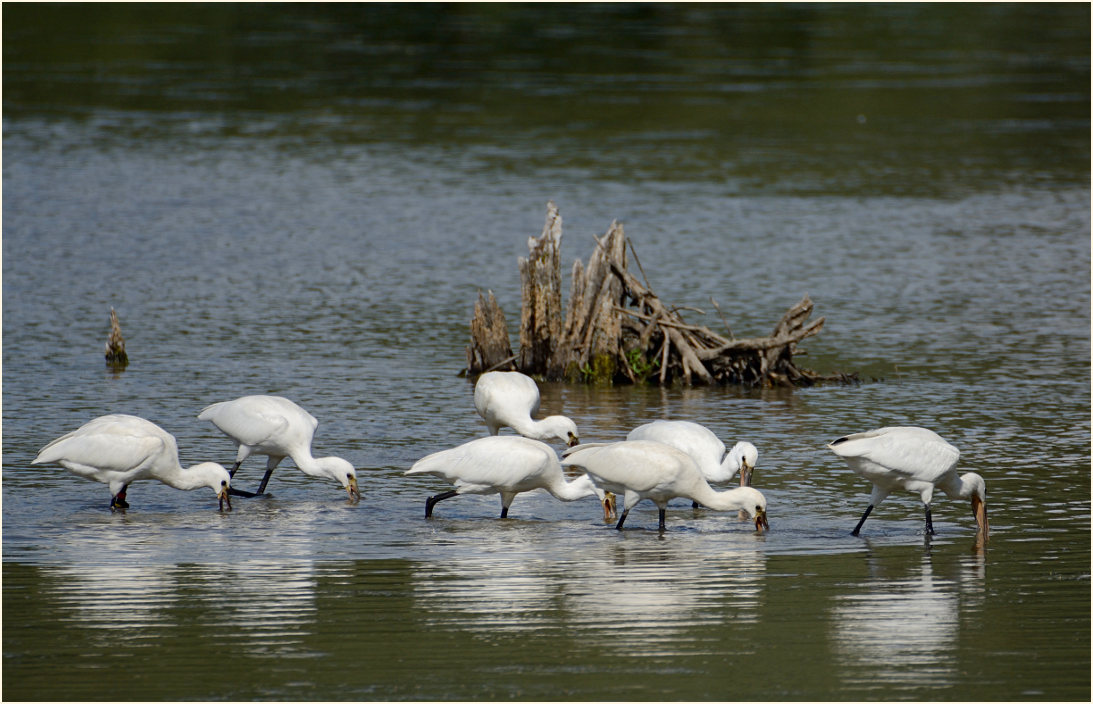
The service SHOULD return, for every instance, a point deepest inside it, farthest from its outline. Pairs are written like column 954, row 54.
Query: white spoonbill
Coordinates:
column 120, row 449
column 278, row 428
column 510, row 399
column 704, row 447
column 505, row 465
column 644, row 469
column 913, row 459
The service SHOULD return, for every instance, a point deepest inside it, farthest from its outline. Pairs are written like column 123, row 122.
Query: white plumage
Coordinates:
column 505, row 465
column 704, row 447
column 117, row 450
column 278, row 428
column 644, row 469
column 510, row 399
column 912, row 459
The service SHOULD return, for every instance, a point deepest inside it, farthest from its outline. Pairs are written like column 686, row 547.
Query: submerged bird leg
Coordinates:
column 431, row 501
column 504, row 512
column 929, row 521
column 661, row 526
column 240, row 492
column 622, row 519
column 695, row 504
column 865, row 515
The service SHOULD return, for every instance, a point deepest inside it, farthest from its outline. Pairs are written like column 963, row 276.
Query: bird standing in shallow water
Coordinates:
column 278, row 428
column 120, row 449
column 505, row 465
column 704, row 447
column 913, row 459
column 510, row 399
column 644, row 469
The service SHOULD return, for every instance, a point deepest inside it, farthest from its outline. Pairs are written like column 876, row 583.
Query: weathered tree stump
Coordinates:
column 116, row 358
column 617, row 330
column 489, row 349
column 541, row 289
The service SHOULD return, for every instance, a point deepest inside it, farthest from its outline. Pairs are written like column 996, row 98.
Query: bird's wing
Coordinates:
column 506, row 396
column 696, row 440
column 642, row 466
column 498, row 460
column 115, row 449
column 912, row 453
column 250, row 421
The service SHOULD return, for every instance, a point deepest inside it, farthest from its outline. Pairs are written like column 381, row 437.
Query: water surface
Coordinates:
column 306, row 200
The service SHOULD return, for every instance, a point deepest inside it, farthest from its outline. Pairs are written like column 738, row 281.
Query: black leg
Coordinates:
column 865, row 515
column 234, row 469
column 504, row 512
column 622, row 519
column 929, row 521
column 694, row 504
column 662, row 512
column 431, row 501
column 265, row 480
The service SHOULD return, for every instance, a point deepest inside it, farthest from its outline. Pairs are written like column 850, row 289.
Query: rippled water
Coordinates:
column 306, row 201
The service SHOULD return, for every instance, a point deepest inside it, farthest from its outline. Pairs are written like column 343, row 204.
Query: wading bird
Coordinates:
column 913, row 459
column 278, row 428
column 505, row 465
column 643, row 469
column 509, row 399
column 704, row 447
column 120, row 449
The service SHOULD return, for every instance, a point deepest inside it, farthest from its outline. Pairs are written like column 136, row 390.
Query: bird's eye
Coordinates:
column 223, row 483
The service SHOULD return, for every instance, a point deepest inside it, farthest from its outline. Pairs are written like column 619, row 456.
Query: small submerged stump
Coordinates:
column 116, row 358
column 616, row 330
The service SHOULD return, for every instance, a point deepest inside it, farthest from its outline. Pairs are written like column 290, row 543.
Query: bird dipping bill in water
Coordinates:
column 644, row 469
column 120, row 449
column 510, row 399
column 704, row 447
column 278, row 428
column 913, row 459
column 505, row 465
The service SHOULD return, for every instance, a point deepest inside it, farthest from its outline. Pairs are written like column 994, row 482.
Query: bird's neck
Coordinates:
column 731, row 464
column 309, row 465
column 535, row 429
column 579, row 488
column 719, row 500
column 185, row 479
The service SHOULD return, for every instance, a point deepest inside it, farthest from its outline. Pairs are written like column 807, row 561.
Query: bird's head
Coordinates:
column 747, row 457
column 561, row 428
column 755, row 504
column 217, row 479
column 342, row 472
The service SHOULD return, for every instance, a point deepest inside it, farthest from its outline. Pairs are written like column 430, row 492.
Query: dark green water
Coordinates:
column 306, row 199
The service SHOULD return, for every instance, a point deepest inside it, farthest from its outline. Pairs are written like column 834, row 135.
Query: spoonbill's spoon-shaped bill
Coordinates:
column 505, row 465
column 912, row 459
column 510, row 399
column 277, row 428
column 644, row 469
column 117, row 450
